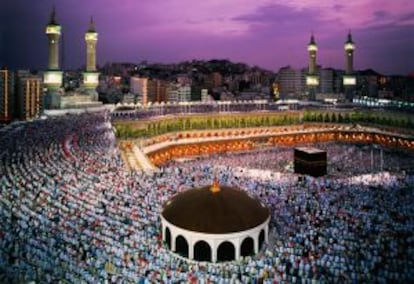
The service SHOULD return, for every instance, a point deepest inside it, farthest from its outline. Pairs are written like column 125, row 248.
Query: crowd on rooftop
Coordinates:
column 70, row 213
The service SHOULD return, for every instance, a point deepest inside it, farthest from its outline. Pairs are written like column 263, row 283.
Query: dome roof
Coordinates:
column 225, row 211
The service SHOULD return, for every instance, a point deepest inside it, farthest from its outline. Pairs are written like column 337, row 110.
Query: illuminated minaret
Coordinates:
column 312, row 80
column 90, row 76
column 53, row 31
column 349, row 79
column 53, row 76
column 349, row 55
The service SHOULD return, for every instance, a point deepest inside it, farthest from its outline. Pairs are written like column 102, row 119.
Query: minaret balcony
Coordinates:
column 53, row 79
column 312, row 80
column 349, row 80
column 53, row 29
column 349, row 46
column 90, row 79
column 91, row 36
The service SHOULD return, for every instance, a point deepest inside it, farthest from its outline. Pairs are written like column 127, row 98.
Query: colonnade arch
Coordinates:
column 202, row 251
column 168, row 237
column 181, row 246
column 261, row 238
column 247, row 247
column 226, row 251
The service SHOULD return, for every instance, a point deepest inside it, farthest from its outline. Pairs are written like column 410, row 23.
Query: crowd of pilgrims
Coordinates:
column 71, row 213
column 342, row 158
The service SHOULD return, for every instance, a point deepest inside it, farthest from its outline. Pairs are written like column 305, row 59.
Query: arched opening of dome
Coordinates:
column 168, row 237
column 181, row 246
column 261, row 238
column 247, row 247
column 202, row 251
column 225, row 252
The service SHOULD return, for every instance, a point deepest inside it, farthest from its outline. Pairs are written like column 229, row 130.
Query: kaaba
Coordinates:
column 310, row 161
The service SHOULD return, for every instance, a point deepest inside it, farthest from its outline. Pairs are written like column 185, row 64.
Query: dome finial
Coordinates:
column 215, row 187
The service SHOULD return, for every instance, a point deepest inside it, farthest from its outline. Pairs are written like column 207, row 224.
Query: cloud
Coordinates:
column 406, row 19
column 280, row 19
column 379, row 15
column 338, row 7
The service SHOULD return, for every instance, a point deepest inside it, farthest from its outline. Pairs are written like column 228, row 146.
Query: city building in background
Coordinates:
column 139, row 89
column 292, row 82
column 29, row 95
column 179, row 92
column 157, row 90
column 7, row 98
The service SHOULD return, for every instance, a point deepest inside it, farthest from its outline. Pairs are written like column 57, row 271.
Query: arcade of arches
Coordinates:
column 202, row 251
column 212, row 142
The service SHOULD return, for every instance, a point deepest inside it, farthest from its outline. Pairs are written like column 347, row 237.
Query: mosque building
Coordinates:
column 86, row 95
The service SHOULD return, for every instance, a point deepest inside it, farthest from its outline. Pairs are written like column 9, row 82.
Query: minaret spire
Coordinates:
column 349, row 40
column 312, row 39
column 92, row 25
column 53, row 16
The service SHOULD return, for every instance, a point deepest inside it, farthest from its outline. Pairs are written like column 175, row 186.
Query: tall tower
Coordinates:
column 312, row 79
column 53, row 76
column 90, row 76
column 349, row 79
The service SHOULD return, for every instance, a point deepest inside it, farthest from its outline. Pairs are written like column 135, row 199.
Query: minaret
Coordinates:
column 53, row 31
column 349, row 55
column 312, row 80
column 90, row 76
column 53, row 76
column 312, row 49
column 349, row 79
column 91, row 38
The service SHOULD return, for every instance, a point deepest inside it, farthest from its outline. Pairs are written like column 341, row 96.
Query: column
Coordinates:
column 191, row 249
column 256, row 243
column 213, row 252
column 172, row 241
column 237, row 249
column 163, row 232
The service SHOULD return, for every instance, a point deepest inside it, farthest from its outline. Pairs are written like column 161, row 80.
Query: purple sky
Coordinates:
column 267, row 33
